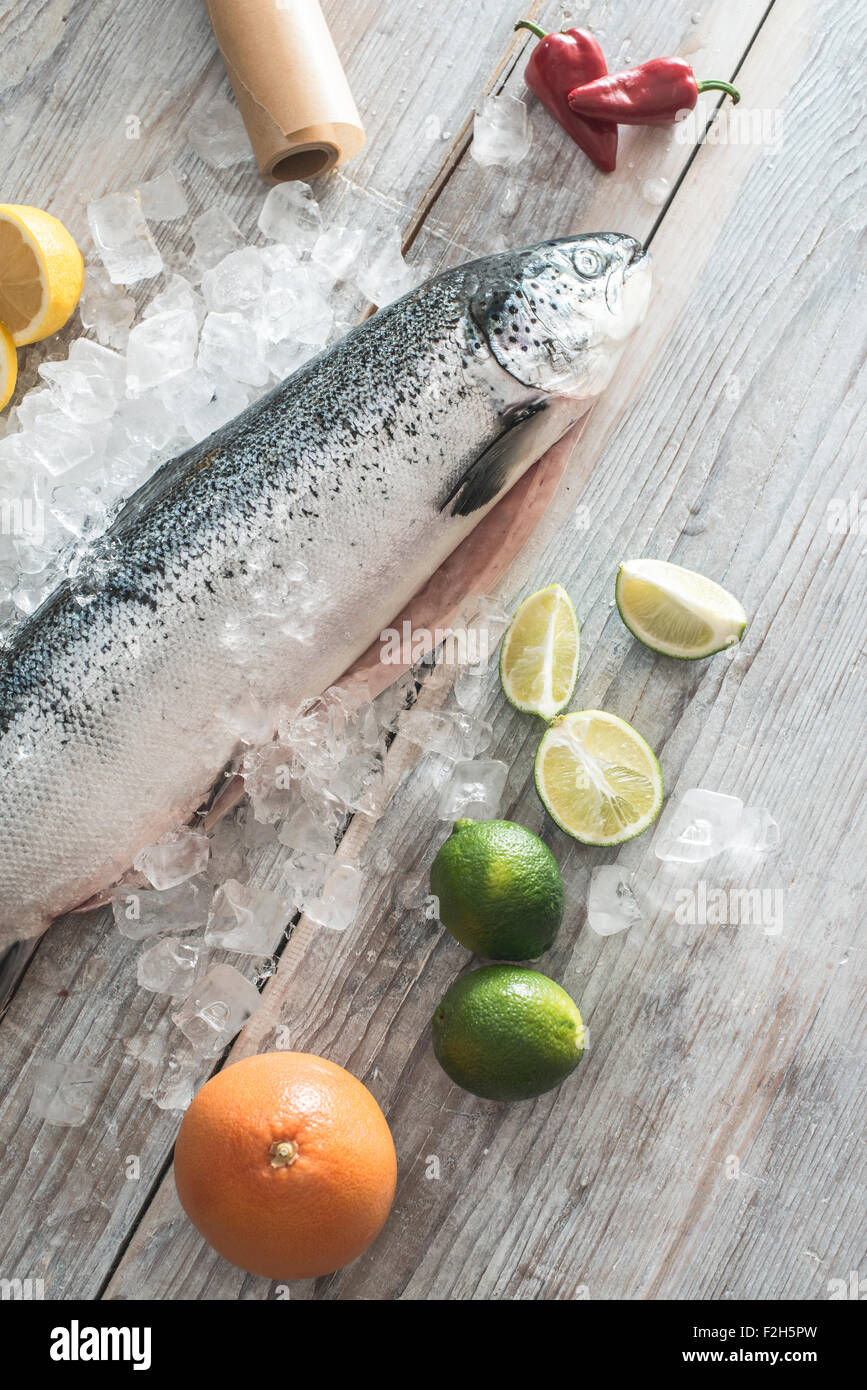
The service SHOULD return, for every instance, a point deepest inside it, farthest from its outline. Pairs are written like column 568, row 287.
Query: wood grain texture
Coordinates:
column 732, row 425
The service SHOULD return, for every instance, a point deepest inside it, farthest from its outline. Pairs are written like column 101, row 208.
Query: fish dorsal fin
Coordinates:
column 488, row 474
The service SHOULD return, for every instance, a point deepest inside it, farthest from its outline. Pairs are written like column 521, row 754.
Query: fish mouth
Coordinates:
column 628, row 294
column 639, row 259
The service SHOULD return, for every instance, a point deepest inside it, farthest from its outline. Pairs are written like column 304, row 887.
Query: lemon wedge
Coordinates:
column 676, row 611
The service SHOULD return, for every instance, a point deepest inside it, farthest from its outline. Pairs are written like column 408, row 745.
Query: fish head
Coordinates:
column 557, row 316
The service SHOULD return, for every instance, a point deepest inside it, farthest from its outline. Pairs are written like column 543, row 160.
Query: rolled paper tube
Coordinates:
column 289, row 84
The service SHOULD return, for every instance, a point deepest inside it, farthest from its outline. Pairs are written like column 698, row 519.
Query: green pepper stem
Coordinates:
column 534, row 28
column 717, row 85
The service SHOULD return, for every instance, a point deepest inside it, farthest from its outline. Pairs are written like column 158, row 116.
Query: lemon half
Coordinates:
column 41, row 273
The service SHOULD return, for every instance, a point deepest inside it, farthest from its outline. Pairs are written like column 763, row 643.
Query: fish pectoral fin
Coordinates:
column 487, row 476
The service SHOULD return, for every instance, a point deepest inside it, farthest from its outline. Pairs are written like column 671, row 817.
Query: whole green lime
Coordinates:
column 500, row 889
column 506, row 1033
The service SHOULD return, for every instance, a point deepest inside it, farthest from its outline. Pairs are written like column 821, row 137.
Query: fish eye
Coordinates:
column 588, row 263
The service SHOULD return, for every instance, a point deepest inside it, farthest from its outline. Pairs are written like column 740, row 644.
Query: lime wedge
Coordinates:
column 539, row 655
column 597, row 778
column 676, row 611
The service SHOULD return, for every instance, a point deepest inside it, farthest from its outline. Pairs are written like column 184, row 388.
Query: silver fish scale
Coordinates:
column 111, row 710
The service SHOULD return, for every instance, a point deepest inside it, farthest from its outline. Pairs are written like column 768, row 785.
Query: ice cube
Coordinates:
column 756, row 832
column 216, row 1010
column 486, row 627
column 178, row 295
column 267, row 774
column 611, row 905
column 697, row 826
column 104, row 308
column 179, row 855
column 214, row 235
column 78, row 509
column 228, row 859
column 282, row 359
column 309, row 872
column 383, row 274
column 204, row 401
column 501, row 131
column 357, row 781
column 122, row 238
column 30, row 593
column 229, row 346
column 163, row 199
column 161, row 347
column 146, row 421
column 336, row 905
column 62, row 445
column 474, row 789
column 290, row 214
column 279, row 259
column 173, row 1085
column 88, row 384
column 395, row 700
column 227, row 399
column 170, row 966
column 294, row 308
column 143, row 912
column 456, row 735
column 64, row 1092
column 335, row 254
column 235, row 282
column 218, row 135
column 303, row 829
column 468, row 689
column 246, row 919
column 256, row 835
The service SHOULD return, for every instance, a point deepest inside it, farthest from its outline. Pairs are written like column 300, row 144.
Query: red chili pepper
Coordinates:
column 559, row 63
column 656, row 93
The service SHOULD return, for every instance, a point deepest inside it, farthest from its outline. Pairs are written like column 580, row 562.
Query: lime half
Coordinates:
column 676, row 611
column 597, row 778
column 539, row 655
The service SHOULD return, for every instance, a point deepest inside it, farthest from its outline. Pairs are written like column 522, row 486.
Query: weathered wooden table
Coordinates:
column 708, row 1144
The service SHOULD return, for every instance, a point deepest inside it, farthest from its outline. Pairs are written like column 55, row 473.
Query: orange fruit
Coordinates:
column 286, row 1165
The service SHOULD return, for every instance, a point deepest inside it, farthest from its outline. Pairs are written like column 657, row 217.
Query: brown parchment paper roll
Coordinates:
column 289, row 84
